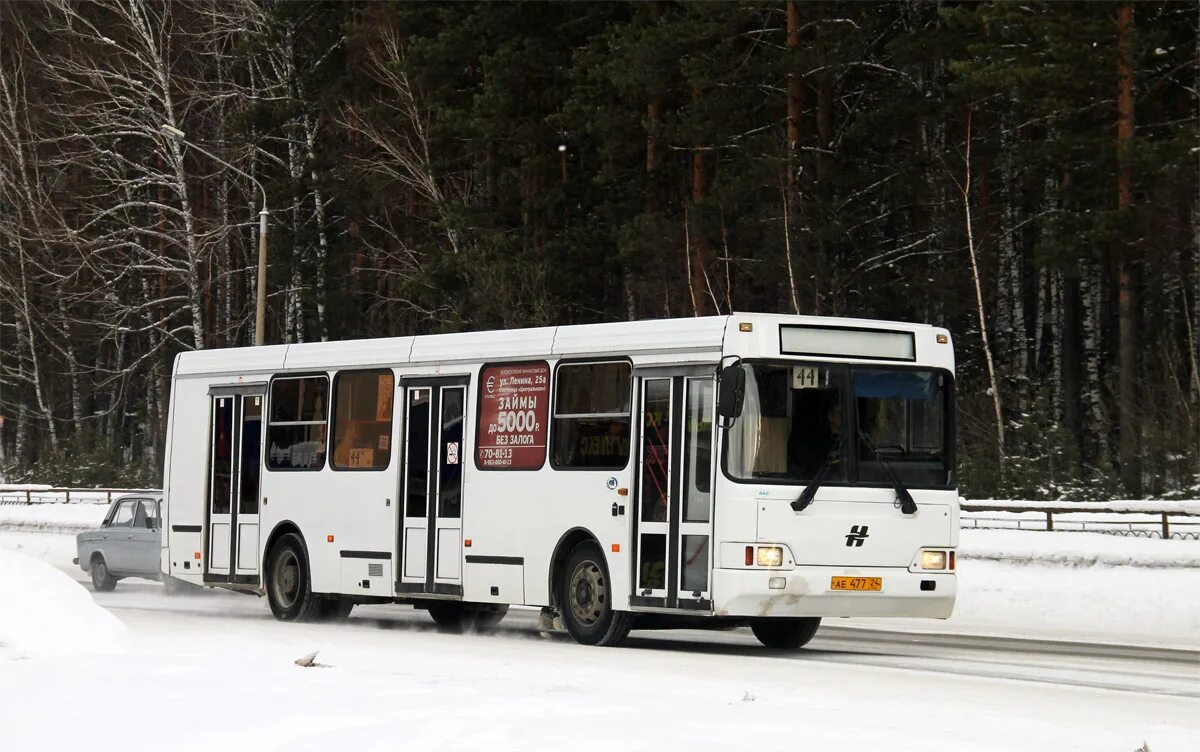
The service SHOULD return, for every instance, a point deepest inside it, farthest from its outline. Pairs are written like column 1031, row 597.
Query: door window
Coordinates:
column 656, row 431
column 416, row 480
column 695, row 564
column 697, row 451
column 124, row 515
column 450, row 467
column 147, row 514
column 222, row 455
column 251, row 455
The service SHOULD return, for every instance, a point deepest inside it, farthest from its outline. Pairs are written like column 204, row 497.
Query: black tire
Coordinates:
column 289, row 587
column 585, row 599
column 786, row 634
column 102, row 579
column 460, row 617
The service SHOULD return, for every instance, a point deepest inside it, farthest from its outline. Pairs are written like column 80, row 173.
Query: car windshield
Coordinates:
column 800, row 418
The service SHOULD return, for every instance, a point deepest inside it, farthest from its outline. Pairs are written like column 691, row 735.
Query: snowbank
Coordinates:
column 1076, row 549
column 46, row 613
column 56, row 518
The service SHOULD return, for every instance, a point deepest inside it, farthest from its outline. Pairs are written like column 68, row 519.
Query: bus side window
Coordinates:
column 362, row 419
column 298, row 421
column 591, row 416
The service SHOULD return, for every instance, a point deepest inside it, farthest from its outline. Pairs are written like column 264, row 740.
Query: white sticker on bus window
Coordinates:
column 806, row 377
column 452, row 453
column 385, row 441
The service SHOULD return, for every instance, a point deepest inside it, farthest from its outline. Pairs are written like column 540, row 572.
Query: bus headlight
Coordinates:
column 770, row 556
column 933, row 560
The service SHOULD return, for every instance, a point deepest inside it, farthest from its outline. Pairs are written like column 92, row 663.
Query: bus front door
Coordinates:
column 430, row 536
column 235, row 462
column 674, row 490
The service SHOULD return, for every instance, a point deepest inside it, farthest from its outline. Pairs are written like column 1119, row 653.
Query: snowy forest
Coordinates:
column 1024, row 174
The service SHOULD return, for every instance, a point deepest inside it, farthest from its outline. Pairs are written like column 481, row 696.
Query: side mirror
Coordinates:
column 731, row 391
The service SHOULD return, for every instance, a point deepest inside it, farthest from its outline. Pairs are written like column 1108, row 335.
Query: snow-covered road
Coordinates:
column 1135, row 669
column 213, row 671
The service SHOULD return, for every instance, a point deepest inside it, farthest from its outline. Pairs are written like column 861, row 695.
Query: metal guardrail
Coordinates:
column 1157, row 520
column 63, row 495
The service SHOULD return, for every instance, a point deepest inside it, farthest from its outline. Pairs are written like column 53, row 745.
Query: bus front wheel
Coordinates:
column 586, row 599
column 785, row 634
column 289, row 587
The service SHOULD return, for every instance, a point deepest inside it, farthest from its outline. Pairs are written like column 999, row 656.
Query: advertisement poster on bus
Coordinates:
column 514, row 404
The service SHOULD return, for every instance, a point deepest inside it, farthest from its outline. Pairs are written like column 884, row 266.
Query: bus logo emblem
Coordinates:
column 858, row 534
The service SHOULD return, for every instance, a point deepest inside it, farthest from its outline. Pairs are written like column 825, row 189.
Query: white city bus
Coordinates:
column 751, row 469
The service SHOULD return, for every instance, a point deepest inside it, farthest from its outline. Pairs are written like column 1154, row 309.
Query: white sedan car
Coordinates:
column 126, row 544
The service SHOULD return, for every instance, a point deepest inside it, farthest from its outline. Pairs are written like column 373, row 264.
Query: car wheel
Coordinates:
column 586, row 599
column 785, row 634
column 289, row 588
column 457, row 616
column 102, row 579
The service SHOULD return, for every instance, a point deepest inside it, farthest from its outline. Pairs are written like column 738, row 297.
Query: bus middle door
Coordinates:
column 430, row 536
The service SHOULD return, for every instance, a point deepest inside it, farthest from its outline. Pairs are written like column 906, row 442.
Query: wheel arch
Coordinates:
column 282, row 528
column 558, row 560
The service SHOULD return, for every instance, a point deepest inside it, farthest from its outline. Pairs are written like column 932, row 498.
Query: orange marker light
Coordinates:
column 197, row 554
column 329, row 538
column 942, row 339
column 622, row 492
column 616, row 548
column 745, row 326
column 467, row 543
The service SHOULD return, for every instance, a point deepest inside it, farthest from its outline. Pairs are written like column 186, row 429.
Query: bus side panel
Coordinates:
column 525, row 514
column 184, row 478
column 337, row 511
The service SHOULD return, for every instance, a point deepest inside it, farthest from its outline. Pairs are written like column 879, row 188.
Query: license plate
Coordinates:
column 856, row 583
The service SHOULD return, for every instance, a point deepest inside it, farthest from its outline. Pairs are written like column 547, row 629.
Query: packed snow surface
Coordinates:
column 45, row 613
column 381, row 685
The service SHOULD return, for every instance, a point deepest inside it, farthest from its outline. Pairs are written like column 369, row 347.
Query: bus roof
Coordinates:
column 699, row 336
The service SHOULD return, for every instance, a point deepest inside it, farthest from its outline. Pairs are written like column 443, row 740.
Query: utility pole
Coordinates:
column 260, row 307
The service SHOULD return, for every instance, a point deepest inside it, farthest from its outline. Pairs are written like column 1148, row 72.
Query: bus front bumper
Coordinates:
column 807, row 591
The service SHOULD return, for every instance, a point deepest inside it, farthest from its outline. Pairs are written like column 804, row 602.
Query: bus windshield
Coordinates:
column 861, row 423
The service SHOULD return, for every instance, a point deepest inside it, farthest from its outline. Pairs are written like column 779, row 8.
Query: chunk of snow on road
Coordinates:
column 43, row 612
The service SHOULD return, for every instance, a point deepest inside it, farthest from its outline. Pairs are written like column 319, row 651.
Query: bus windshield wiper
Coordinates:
column 903, row 497
column 806, row 496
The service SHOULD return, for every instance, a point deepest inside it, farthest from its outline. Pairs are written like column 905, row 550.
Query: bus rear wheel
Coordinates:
column 586, row 599
column 289, row 587
column 785, row 634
